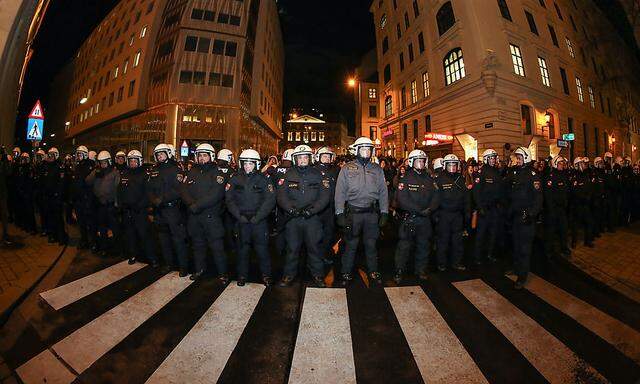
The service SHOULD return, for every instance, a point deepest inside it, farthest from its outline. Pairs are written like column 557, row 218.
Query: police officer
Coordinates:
column 53, row 187
column 453, row 213
column 525, row 198
column 250, row 197
column 488, row 193
column 225, row 164
column 611, row 192
column 362, row 208
column 163, row 189
column 437, row 166
column 303, row 193
column 82, row 197
column 134, row 203
column 121, row 161
column 39, row 194
column 598, row 198
column 104, row 181
column 556, row 194
column 325, row 158
column 626, row 190
column 279, row 218
column 25, row 188
column 416, row 199
column 581, row 190
column 203, row 195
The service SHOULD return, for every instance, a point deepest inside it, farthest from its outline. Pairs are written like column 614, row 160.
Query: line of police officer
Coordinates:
column 218, row 208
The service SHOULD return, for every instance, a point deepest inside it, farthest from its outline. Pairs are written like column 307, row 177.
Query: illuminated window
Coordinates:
column 592, row 98
column 297, row 136
column 544, row 73
column 186, row 118
column 383, row 21
column 143, row 32
column 570, row 47
column 125, row 67
column 414, row 92
column 579, row 88
column 425, row 84
column 314, row 136
column 388, row 106
column 306, row 137
column 373, row 93
column 289, row 136
column 453, row 66
column 516, row 58
column 320, row 136
column 115, row 72
column 136, row 59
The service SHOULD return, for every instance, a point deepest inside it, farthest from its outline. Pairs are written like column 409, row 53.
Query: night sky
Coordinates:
column 324, row 42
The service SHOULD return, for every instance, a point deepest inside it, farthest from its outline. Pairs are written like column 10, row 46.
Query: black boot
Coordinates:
column 318, row 281
column 423, row 276
column 267, row 281
column 286, row 281
column 183, row 273
column 224, row 279
column 520, row 282
column 375, row 279
column 399, row 276
column 459, row 267
column 345, row 280
column 196, row 276
column 241, row 281
column 132, row 260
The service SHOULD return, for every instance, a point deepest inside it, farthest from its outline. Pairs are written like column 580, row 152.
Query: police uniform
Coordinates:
column 135, row 205
column 83, row 200
column 488, row 194
column 361, row 196
column 417, row 199
column 278, row 217
column 163, row 190
column 327, row 215
column 250, row 199
column 303, row 193
column 581, row 190
column 229, row 222
column 24, row 179
column 105, row 186
column 203, row 192
column 525, row 198
column 556, row 192
column 598, row 201
column 53, row 187
column 453, row 213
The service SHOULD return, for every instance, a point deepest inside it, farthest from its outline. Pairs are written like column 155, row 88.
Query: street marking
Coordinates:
column 64, row 295
column 611, row 330
column 556, row 362
column 45, row 368
column 323, row 351
column 203, row 353
column 87, row 344
column 439, row 354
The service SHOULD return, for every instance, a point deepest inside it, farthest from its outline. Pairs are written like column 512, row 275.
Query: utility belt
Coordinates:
column 373, row 208
column 133, row 210
column 170, row 204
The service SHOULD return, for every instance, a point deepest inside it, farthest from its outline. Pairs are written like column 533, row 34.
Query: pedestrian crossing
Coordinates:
column 321, row 347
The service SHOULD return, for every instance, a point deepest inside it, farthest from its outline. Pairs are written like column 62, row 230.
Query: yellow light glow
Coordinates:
column 351, row 82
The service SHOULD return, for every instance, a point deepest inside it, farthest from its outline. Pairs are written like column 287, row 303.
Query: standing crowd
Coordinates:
column 327, row 205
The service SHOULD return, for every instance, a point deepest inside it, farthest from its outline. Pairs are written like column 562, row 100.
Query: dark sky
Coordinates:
column 324, row 42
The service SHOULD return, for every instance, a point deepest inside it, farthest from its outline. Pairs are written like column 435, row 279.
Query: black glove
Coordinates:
column 293, row 212
column 254, row 220
column 341, row 220
column 426, row 212
column 526, row 218
column 384, row 218
column 306, row 213
column 193, row 208
column 243, row 220
column 482, row 212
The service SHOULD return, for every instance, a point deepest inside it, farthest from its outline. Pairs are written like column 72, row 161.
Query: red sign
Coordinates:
column 431, row 142
column 387, row 133
column 37, row 112
column 437, row 136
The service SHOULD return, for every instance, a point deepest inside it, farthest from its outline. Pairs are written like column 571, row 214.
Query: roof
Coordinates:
column 306, row 119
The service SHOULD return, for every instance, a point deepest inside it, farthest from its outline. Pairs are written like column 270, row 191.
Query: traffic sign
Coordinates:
column 35, row 129
column 184, row 149
column 563, row 144
column 37, row 112
column 568, row 137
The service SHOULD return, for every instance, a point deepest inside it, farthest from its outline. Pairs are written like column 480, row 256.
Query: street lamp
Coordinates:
column 83, row 100
column 351, row 82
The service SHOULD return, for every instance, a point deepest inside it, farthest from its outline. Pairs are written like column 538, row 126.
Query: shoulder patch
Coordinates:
column 270, row 187
column 536, row 184
column 477, row 180
column 533, row 173
column 400, row 186
column 180, row 177
column 549, row 183
column 325, row 183
column 227, row 187
column 220, row 179
column 281, row 182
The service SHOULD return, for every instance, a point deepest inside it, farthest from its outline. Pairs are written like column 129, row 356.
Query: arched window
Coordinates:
column 453, row 66
column 445, row 18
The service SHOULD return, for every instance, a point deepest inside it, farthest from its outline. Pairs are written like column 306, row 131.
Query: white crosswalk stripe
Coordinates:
column 547, row 354
column 203, row 352
column 87, row 344
column 613, row 331
column 64, row 295
column 439, row 354
column 323, row 351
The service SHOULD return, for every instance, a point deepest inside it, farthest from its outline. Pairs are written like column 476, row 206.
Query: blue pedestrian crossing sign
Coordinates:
column 35, row 128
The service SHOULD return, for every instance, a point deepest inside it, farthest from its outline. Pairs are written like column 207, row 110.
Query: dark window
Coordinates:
column 165, row 49
column 427, row 123
column 415, row 130
column 601, row 102
column 223, row 18
column 185, row 77
column 405, row 133
column 445, row 18
column 227, row 81
column 218, row 47
column 234, row 20
column 231, row 49
column 585, row 133
column 571, row 147
column 406, row 20
column 388, row 106
column 395, row 4
column 387, row 73
column 532, row 22
column 525, row 117
column 203, row 45
column 552, row 128
column 420, row 42
column 373, row 111
column 558, row 11
column 565, row 83
column 150, row 8
column 191, row 43
column 215, row 78
column 573, row 23
column 120, row 93
column 504, row 9
column 542, row 4
column 554, row 38
column 416, row 11
column 398, row 31
column 385, row 45
column 410, row 52
column 596, row 136
column 198, row 78
column 132, row 86
column 138, row 17
column 196, row 14
column 111, row 99
column 401, row 61
column 209, row 16
column 403, row 97
column 609, row 106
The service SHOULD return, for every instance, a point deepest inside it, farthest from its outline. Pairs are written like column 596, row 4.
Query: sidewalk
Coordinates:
column 22, row 264
column 615, row 260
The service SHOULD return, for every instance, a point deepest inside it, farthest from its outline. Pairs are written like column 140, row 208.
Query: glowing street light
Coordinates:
column 351, row 82
column 83, row 100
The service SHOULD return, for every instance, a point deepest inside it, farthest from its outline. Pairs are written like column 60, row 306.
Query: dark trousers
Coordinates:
column 107, row 226
column 599, row 215
column 581, row 217
column 610, row 211
column 137, row 230
column 86, row 220
column 299, row 231
column 26, row 217
column 487, row 232
column 4, row 217
column 365, row 226
column 172, row 234
column 523, row 234
column 256, row 236
column 449, row 231
column 555, row 231
column 205, row 230
column 328, row 223
column 414, row 233
column 54, row 219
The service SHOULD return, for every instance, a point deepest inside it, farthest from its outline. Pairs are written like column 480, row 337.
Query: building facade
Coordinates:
column 501, row 74
column 180, row 70
column 316, row 133
column 366, row 93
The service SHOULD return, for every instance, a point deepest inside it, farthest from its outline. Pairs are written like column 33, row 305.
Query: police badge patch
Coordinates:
column 325, row 183
column 227, row 187
column 270, row 188
column 536, row 184
column 220, row 179
column 400, row 186
column 180, row 177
